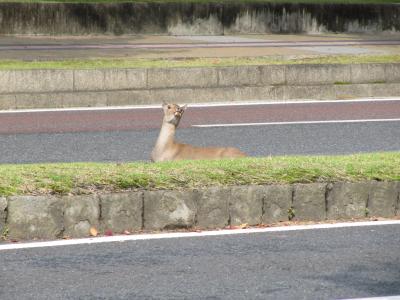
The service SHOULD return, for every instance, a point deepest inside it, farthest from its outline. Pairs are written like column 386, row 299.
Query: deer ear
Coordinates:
column 184, row 107
column 164, row 103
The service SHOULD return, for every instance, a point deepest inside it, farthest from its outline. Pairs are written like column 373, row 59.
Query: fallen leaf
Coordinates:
column 232, row 227
column 126, row 232
column 241, row 226
column 108, row 232
column 93, row 231
column 263, row 225
column 194, row 230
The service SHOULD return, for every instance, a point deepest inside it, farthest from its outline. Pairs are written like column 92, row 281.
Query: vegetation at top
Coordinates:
column 211, row 1
column 104, row 63
column 87, row 178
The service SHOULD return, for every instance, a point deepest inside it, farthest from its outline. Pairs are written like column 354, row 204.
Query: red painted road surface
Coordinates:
column 150, row 118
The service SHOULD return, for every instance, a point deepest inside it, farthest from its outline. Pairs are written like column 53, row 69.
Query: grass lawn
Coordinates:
column 104, row 63
column 84, row 178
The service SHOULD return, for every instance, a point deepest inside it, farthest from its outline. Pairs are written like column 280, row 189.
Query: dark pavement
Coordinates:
column 313, row 264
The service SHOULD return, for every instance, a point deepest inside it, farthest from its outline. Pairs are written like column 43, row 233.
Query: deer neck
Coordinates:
column 166, row 137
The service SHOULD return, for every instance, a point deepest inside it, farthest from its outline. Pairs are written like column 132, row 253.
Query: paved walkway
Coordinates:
column 71, row 47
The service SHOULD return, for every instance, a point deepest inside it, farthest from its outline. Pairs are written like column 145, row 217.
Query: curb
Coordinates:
column 50, row 217
column 32, row 89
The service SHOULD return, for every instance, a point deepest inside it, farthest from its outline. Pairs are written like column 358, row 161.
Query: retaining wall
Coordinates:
column 190, row 18
column 49, row 217
column 109, row 87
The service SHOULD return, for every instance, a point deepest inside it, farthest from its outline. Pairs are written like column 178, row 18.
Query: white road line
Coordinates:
column 213, row 104
column 297, row 123
column 123, row 238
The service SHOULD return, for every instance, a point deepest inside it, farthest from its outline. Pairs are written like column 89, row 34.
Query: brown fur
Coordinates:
column 166, row 149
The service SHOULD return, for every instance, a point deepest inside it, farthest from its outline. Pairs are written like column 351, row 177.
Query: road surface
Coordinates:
column 193, row 45
column 147, row 46
column 128, row 134
column 337, row 263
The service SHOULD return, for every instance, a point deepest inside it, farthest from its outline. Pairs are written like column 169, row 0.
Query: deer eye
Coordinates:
column 169, row 106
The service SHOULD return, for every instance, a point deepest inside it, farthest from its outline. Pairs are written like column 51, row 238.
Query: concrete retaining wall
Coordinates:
column 72, row 88
column 49, row 217
column 190, row 18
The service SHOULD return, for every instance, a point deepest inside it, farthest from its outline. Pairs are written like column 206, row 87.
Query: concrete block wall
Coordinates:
column 110, row 87
column 49, row 217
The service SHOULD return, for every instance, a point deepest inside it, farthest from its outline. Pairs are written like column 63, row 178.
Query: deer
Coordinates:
column 167, row 149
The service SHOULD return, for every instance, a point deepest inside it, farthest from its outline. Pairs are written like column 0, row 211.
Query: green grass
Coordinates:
column 83, row 178
column 104, row 63
column 209, row 1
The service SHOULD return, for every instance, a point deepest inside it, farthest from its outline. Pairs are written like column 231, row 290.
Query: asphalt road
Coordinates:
column 129, row 134
column 312, row 264
column 207, row 44
column 25, row 47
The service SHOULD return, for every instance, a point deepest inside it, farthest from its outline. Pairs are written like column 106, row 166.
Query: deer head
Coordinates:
column 173, row 113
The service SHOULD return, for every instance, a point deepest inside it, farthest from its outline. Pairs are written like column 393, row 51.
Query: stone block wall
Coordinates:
column 49, row 217
column 195, row 18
